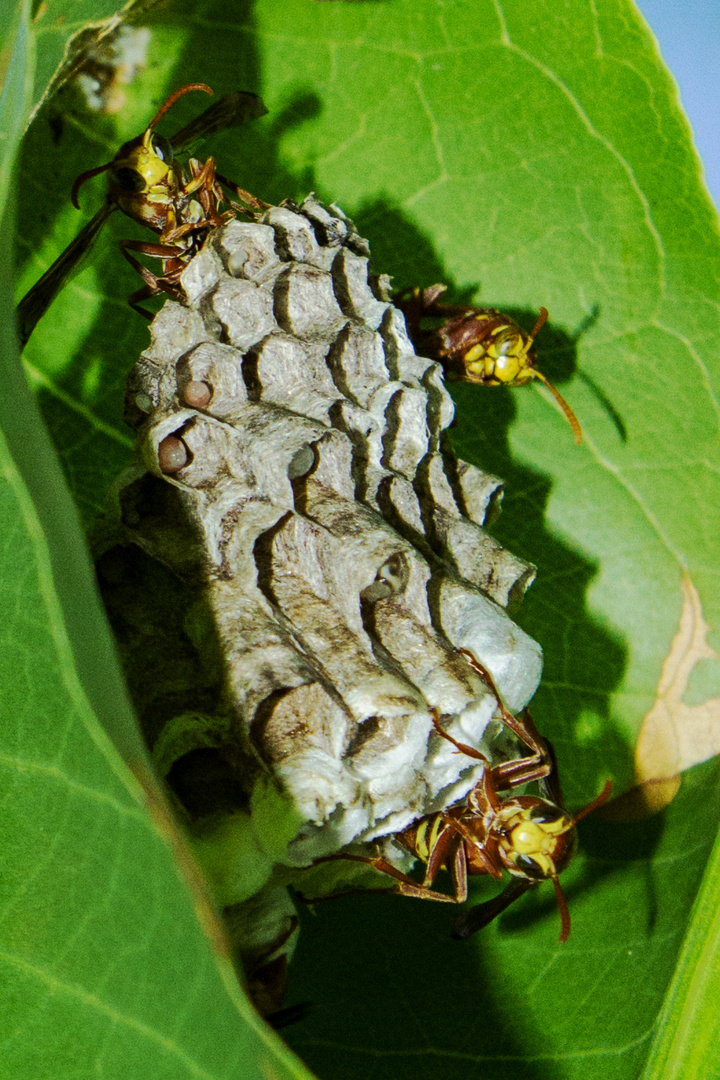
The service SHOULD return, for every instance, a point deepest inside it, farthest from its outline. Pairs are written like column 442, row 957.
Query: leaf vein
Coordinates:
column 92, row 1001
column 602, row 139
column 41, row 379
column 56, row 773
column 459, row 1055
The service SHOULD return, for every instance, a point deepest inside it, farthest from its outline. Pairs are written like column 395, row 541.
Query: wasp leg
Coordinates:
column 250, row 200
column 478, row 855
column 181, row 231
column 462, row 748
column 405, row 885
column 156, row 251
column 417, row 300
column 208, row 191
column 511, row 773
column 425, row 303
column 550, row 787
column 203, row 176
column 540, row 766
column 143, row 293
column 154, row 284
column 449, row 850
column 415, row 304
column 523, row 727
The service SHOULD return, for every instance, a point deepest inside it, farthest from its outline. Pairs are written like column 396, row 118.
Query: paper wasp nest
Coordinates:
column 293, row 566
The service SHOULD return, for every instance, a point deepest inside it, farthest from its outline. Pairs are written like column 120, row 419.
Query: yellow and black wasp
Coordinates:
column 478, row 344
column 531, row 837
column 147, row 182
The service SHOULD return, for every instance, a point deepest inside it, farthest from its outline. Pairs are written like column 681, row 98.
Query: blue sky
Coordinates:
column 689, row 35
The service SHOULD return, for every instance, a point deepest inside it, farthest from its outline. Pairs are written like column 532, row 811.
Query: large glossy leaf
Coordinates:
column 113, row 962
column 527, row 155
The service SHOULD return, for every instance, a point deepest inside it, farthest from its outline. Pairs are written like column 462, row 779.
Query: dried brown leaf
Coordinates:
column 674, row 735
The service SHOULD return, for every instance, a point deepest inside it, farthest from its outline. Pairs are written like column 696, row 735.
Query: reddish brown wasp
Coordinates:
column 532, row 837
column 149, row 185
column 478, row 344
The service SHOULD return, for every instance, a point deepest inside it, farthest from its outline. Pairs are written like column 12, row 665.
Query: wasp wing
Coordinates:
column 475, row 918
column 35, row 303
column 229, row 112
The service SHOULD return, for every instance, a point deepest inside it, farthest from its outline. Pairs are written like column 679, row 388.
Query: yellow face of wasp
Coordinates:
column 501, row 358
column 144, row 179
column 536, row 842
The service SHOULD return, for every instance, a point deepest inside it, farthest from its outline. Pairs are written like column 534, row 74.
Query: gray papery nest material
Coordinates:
column 294, row 561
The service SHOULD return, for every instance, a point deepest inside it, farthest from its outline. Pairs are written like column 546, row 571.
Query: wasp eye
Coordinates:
column 162, row 148
column 127, row 179
column 545, row 813
column 529, row 867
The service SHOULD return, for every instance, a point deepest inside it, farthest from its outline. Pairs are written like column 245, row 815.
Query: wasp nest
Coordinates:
column 298, row 555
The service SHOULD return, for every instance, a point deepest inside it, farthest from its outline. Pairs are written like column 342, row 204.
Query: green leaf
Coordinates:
column 113, row 962
column 688, row 1028
column 394, row 997
column 16, row 67
column 526, row 155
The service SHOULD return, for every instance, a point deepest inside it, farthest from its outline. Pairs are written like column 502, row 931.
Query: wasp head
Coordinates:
column 142, row 163
column 144, row 178
column 490, row 348
column 535, row 838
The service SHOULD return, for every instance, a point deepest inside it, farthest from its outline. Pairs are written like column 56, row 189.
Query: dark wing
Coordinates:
column 475, row 918
column 35, row 303
column 230, row 111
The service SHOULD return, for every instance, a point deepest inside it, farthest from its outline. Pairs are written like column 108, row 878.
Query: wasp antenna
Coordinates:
column 539, row 323
column 563, row 909
column 592, row 806
column 175, row 97
column 570, row 415
column 81, row 180
column 541, row 320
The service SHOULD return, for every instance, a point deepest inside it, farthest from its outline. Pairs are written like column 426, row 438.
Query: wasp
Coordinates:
column 147, row 182
column 478, row 344
column 532, row 837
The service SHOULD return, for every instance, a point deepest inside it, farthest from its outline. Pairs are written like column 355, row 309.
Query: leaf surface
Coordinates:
column 525, row 155
column 112, row 959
